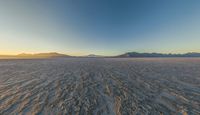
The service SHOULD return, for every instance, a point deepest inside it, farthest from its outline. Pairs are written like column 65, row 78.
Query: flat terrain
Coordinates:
column 100, row 86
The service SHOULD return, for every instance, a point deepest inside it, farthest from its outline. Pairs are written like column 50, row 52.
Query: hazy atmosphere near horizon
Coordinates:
column 102, row 27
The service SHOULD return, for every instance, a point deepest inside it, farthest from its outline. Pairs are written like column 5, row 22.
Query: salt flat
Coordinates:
column 100, row 86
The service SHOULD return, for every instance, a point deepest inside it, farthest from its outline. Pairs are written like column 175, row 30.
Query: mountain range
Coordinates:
column 136, row 54
column 37, row 55
column 125, row 55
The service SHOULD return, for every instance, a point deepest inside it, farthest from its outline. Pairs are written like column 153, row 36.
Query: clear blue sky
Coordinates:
column 104, row 27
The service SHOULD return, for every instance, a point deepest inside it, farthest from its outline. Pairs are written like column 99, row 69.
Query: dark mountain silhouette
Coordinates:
column 38, row 55
column 93, row 55
column 51, row 54
column 125, row 55
column 136, row 54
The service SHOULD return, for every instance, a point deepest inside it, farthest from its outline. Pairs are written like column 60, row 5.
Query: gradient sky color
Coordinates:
column 103, row 27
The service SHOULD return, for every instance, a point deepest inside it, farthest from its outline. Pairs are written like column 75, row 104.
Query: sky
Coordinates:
column 102, row 27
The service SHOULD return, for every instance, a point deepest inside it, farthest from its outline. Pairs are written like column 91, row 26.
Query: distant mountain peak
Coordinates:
column 93, row 55
column 42, row 55
column 136, row 54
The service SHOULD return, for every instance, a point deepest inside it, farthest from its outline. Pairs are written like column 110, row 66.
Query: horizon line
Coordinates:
column 68, row 54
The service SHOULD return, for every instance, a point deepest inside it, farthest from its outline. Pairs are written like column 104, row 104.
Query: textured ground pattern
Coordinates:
column 100, row 86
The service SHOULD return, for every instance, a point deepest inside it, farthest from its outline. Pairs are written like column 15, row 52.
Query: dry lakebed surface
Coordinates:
column 100, row 86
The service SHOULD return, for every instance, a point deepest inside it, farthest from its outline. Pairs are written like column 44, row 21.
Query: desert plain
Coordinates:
column 100, row 86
